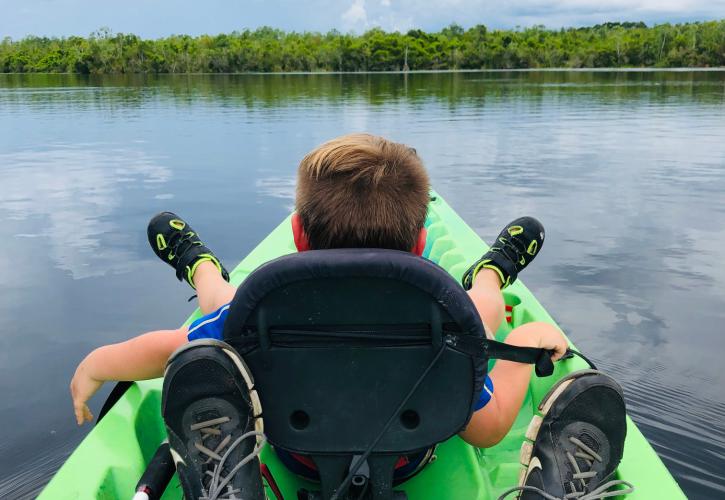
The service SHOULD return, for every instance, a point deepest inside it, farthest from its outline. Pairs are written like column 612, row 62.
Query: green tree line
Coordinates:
column 700, row 44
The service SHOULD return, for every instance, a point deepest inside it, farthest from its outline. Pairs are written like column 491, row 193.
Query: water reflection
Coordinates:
column 626, row 170
column 273, row 91
column 278, row 187
column 66, row 198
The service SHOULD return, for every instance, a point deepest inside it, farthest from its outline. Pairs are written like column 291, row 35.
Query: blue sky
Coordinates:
column 156, row 18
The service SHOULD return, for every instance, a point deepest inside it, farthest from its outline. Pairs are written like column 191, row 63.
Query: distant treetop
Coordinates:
column 266, row 49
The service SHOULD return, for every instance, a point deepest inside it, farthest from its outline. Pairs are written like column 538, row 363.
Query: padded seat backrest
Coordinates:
column 342, row 336
column 336, row 339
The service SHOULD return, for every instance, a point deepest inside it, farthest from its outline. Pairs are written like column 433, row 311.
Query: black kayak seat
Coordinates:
column 336, row 339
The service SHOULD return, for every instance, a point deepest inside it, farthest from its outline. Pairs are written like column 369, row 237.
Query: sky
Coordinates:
column 158, row 18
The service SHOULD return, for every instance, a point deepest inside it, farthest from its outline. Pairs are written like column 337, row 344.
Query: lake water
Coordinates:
column 625, row 169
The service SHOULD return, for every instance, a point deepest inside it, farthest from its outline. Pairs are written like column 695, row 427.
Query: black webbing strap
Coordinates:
column 468, row 344
column 492, row 349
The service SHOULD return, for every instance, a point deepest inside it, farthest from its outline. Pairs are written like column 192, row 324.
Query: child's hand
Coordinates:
column 552, row 339
column 541, row 335
column 82, row 387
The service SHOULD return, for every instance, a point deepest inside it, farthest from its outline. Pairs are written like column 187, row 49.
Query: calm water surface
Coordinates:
column 626, row 170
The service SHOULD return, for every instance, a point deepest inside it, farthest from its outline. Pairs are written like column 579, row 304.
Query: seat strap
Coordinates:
column 493, row 349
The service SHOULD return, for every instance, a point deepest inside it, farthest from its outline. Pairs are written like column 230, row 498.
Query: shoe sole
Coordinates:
column 532, row 431
column 243, row 370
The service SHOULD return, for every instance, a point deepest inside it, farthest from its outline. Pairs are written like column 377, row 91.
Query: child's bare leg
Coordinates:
column 211, row 289
column 488, row 299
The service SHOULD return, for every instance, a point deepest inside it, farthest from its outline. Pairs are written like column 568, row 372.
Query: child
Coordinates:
column 354, row 191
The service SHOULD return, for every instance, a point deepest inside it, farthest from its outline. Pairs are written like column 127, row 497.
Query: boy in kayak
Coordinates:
column 354, row 191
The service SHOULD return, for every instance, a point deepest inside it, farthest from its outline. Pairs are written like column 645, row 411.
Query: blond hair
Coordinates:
column 361, row 190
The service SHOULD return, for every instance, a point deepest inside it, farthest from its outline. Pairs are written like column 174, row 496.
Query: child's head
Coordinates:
column 363, row 191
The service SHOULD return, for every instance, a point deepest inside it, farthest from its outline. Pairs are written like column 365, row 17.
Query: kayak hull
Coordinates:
column 111, row 459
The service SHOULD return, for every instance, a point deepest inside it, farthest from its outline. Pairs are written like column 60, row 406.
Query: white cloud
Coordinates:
column 435, row 14
column 355, row 17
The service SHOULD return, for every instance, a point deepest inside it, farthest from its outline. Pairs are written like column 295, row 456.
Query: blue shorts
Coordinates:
column 211, row 326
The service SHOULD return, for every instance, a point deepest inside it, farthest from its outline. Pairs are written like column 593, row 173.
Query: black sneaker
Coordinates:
column 213, row 415
column 577, row 445
column 177, row 244
column 516, row 246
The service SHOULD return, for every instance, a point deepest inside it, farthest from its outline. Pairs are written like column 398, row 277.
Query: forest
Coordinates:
column 610, row 45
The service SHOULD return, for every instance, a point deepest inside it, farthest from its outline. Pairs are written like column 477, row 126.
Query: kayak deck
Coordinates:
column 110, row 460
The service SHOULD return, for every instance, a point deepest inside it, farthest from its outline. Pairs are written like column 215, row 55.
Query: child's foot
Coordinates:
column 177, row 244
column 213, row 419
column 516, row 246
column 579, row 441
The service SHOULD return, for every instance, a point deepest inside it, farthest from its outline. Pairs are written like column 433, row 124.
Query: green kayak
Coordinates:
column 112, row 458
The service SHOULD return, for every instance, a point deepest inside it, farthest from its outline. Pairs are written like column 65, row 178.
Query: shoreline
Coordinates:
column 715, row 69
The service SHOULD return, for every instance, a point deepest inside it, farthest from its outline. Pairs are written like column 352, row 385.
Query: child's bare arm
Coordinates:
column 510, row 380
column 139, row 358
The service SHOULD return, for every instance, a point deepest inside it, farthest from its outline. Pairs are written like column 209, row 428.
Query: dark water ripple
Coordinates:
column 684, row 418
column 626, row 169
column 28, row 483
